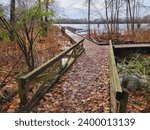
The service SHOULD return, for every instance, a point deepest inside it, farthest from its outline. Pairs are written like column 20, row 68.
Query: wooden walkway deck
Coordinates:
column 85, row 86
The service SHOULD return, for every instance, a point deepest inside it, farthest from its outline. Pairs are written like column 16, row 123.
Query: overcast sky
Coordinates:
column 68, row 8
column 78, row 8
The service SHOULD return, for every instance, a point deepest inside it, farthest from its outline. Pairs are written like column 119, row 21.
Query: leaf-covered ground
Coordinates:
column 84, row 88
column 138, row 102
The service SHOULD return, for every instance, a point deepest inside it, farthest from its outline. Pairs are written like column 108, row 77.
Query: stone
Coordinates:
column 130, row 81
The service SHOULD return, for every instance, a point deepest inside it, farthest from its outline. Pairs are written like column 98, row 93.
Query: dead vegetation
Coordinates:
column 12, row 64
column 138, row 102
column 141, row 35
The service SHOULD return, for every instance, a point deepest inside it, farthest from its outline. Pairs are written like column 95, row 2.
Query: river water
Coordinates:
column 102, row 27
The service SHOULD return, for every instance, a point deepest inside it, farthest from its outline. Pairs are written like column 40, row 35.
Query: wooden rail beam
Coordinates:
column 75, row 50
column 119, row 95
column 43, row 67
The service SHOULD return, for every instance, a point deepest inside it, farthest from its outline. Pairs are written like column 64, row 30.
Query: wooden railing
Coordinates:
column 63, row 30
column 35, row 84
column 119, row 95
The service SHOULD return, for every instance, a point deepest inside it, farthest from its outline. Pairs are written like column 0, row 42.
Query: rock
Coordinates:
column 130, row 81
column 133, row 83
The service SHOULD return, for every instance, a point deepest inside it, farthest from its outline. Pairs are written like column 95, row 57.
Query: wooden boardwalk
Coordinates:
column 85, row 86
column 74, row 36
column 91, row 84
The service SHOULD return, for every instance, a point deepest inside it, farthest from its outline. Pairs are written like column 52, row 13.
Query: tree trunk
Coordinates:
column 112, row 16
column 117, row 16
column 127, row 17
column 46, row 17
column 89, row 10
column 12, row 11
column 107, row 18
column 131, row 17
column 12, row 16
column 46, row 9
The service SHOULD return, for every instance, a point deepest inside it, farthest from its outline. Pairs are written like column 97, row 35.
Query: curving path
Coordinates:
column 84, row 87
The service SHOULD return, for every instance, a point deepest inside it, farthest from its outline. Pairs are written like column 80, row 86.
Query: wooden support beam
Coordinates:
column 117, row 93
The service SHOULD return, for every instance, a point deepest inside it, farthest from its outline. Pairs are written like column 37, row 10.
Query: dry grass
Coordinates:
column 138, row 36
column 47, row 47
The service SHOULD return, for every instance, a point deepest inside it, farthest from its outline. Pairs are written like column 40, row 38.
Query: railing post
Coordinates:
column 82, row 44
column 124, row 101
column 60, row 66
column 80, row 47
column 75, row 52
column 22, row 91
column 63, row 30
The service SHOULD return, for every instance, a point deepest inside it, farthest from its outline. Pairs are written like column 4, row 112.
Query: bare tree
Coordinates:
column 12, row 11
column 12, row 15
column 46, row 10
column 127, row 17
column 107, row 6
column 89, row 12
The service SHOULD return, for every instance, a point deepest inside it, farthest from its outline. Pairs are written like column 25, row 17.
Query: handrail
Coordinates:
column 43, row 67
column 116, row 80
column 68, row 36
column 119, row 95
column 71, row 54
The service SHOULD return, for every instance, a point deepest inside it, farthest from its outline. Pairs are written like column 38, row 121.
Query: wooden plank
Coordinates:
column 132, row 46
column 115, row 75
column 115, row 86
column 113, row 101
column 22, row 91
column 119, row 95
